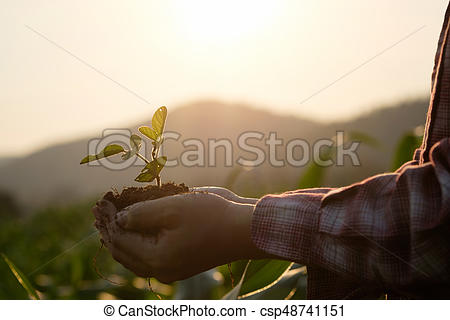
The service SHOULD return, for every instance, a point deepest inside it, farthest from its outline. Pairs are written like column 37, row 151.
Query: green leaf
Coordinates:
column 262, row 274
column 135, row 144
column 159, row 120
column 292, row 284
column 364, row 138
column 233, row 294
column 151, row 170
column 23, row 280
column 149, row 133
column 258, row 275
column 405, row 149
column 156, row 164
column 107, row 151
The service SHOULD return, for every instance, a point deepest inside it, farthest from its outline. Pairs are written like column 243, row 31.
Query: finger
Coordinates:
column 146, row 216
column 96, row 211
column 130, row 263
column 135, row 245
column 107, row 209
column 128, row 248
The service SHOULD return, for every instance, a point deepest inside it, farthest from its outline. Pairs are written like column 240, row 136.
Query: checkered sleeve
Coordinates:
column 391, row 230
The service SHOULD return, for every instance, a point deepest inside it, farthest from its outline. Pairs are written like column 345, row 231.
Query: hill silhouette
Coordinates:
column 53, row 175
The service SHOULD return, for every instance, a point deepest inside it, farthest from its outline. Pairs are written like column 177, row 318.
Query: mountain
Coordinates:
column 54, row 176
column 6, row 160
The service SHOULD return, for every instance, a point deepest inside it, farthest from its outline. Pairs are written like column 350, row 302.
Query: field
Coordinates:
column 58, row 250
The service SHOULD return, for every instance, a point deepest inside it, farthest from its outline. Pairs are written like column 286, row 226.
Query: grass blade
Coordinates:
column 258, row 275
column 23, row 280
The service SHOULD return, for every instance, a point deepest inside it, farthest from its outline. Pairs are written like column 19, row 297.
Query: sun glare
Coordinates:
column 219, row 21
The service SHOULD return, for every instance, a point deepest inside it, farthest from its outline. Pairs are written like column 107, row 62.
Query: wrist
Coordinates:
column 240, row 215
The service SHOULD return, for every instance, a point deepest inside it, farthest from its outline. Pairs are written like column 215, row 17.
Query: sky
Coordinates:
column 68, row 69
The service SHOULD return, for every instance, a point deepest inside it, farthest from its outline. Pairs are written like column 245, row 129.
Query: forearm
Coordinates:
column 375, row 231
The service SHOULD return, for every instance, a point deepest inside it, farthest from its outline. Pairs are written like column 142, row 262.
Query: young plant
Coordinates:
column 153, row 167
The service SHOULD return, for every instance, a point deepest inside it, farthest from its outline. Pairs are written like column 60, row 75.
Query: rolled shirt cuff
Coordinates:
column 287, row 225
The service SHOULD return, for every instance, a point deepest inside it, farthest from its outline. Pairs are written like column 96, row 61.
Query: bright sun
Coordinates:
column 219, row 21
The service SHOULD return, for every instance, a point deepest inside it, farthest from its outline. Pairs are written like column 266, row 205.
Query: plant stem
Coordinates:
column 154, row 156
column 143, row 158
column 158, row 181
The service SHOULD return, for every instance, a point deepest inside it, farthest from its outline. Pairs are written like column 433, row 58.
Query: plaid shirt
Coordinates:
column 389, row 234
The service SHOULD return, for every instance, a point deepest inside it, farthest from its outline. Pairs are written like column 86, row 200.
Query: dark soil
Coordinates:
column 131, row 195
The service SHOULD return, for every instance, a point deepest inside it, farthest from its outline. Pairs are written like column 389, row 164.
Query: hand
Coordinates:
column 175, row 237
column 225, row 193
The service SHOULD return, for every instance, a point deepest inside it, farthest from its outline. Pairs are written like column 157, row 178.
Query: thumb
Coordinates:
column 145, row 216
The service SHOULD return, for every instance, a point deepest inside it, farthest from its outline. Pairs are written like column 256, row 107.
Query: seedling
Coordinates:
column 150, row 172
column 153, row 167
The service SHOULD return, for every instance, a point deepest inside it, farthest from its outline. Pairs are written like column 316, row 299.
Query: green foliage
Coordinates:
column 312, row 177
column 152, row 170
column 158, row 123
column 8, row 205
column 258, row 275
column 23, row 280
column 262, row 274
column 135, row 144
column 108, row 151
column 149, row 133
column 159, row 120
column 55, row 247
column 292, row 285
column 405, row 149
column 314, row 174
column 153, row 167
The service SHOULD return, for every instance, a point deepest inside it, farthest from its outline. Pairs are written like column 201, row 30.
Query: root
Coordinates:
column 151, row 289
column 231, row 274
column 97, row 271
